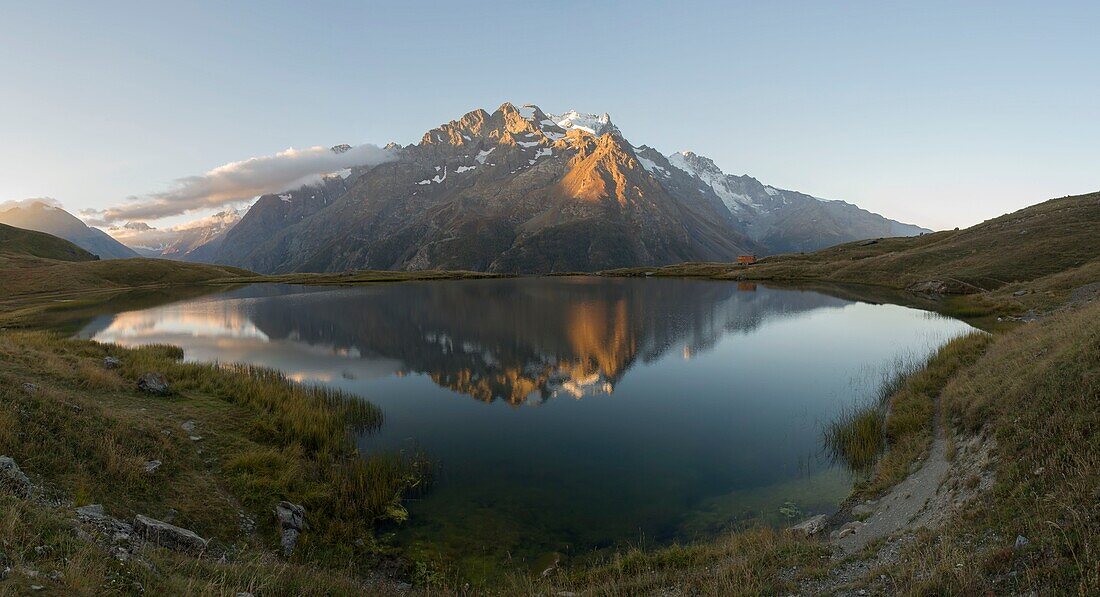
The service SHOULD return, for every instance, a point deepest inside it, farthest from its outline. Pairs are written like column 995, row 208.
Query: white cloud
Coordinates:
column 239, row 181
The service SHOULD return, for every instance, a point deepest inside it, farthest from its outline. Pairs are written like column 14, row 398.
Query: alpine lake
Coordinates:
column 569, row 416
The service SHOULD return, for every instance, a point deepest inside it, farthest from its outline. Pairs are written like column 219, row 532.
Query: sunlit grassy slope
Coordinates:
column 1046, row 249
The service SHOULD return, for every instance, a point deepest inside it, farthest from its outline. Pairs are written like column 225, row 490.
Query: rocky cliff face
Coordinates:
column 520, row 190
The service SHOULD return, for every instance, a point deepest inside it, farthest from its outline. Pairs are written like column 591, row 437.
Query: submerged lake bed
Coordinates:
column 570, row 415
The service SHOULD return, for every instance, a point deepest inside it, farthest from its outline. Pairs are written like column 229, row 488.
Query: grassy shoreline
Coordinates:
column 232, row 441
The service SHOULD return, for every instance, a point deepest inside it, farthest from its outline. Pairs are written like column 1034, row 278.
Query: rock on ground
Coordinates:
column 292, row 521
column 13, row 479
column 153, row 383
column 167, row 535
column 812, row 526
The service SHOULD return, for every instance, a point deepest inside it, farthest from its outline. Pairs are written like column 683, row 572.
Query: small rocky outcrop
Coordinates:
column 12, row 479
column 169, row 536
column 292, row 521
column 30, row 388
column 111, row 363
column 811, row 526
column 153, row 383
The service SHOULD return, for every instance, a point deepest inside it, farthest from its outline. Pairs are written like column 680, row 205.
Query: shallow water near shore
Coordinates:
column 567, row 415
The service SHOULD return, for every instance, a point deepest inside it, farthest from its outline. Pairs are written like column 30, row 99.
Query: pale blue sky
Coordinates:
column 940, row 114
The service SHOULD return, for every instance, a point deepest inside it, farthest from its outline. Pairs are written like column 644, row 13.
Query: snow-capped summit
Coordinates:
column 593, row 123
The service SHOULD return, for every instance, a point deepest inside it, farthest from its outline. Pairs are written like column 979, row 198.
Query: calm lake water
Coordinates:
column 572, row 414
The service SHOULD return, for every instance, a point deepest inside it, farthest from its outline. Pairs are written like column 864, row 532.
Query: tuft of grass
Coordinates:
column 858, row 435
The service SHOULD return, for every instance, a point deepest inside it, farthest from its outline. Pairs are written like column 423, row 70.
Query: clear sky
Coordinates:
column 938, row 113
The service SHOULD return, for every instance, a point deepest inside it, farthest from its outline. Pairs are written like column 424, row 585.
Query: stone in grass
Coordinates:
column 152, row 466
column 13, row 479
column 292, row 521
column 811, row 526
column 167, row 535
column 111, row 363
column 153, row 383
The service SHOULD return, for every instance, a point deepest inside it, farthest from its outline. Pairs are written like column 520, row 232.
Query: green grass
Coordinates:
column 39, row 244
column 87, row 432
column 858, row 435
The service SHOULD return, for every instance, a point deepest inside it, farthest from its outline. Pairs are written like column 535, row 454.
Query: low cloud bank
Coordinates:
column 240, row 181
column 143, row 236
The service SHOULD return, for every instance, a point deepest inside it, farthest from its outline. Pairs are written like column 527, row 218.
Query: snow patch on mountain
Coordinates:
column 712, row 176
column 483, row 155
column 593, row 123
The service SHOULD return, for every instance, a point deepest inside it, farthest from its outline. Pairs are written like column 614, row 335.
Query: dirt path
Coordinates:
column 926, row 498
column 907, row 505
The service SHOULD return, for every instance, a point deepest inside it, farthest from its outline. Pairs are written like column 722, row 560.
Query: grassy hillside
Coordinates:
column 1052, row 247
column 85, row 433
column 26, row 275
column 17, row 241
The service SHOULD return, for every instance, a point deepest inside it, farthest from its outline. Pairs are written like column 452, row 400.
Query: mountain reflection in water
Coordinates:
column 702, row 401
column 491, row 340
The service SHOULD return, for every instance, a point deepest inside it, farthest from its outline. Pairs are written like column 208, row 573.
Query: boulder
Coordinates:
column 12, row 479
column 30, row 388
column 111, row 363
column 292, row 521
column 811, row 526
column 167, row 535
column 153, row 383
column 152, row 466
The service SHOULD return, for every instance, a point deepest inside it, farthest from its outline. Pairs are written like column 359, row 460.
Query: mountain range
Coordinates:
column 515, row 190
column 520, row 190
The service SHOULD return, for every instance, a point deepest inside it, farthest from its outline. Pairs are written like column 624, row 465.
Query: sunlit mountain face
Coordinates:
column 491, row 340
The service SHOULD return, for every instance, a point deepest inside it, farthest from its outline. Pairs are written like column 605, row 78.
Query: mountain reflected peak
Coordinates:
column 521, row 341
